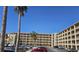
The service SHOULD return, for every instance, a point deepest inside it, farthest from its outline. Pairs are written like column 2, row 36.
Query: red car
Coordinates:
column 39, row 49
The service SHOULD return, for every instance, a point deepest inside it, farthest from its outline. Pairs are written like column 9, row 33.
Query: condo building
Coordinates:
column 42, row 40
column 26, row 39
column 69, row 38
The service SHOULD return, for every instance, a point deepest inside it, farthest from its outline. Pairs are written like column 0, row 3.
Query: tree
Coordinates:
column 4, row 19
column 34, row 37
column 21, row 11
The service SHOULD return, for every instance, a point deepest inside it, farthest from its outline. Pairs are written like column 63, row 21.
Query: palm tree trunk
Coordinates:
column 18, row 34
column 4, row 27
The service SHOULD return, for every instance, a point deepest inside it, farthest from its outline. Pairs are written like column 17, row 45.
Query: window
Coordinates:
column 69, row 37
column 78, row 47
column 77, row 30
column 69, row 42
column 73, row 37
column 68, row 29
column 77, row 41
column 77, row 25
column 65, row 30
column 77, row 35
column 69, row 46
column 72, row 32
column 65, row 37
column 73, row 47
column 65, row 34
column 72, row 27
column 73, row 41
column 66, row 41
column 68, row 33
column 66, row 46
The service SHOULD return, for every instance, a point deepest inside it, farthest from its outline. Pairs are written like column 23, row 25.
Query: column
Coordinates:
column 75, row 37
column 71, row 37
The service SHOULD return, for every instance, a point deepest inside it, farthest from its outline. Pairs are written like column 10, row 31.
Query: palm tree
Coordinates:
column 34, row 37
column 5, row 10
column 21, row 11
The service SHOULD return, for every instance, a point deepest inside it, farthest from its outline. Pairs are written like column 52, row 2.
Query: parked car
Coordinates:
column 21, row 46
column 61, row 47
column 68, row 50
column 28, row 46
column 9, row 49
column 24, row 48
column 39, row 49
column 55, row 46
column 72, row 50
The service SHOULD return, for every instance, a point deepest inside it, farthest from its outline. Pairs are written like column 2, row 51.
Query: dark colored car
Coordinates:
column 39, row 49
column 55, row 46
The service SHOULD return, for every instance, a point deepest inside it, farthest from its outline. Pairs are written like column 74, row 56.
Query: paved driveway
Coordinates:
column 52, row 50
column 56, row 50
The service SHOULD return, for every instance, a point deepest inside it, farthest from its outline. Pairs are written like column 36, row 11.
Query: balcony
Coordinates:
column 72, row 27
column 68, row 29
column 69, row 42
column 69, row 38
column 77, row 25
column 72, row 32
column 73, row 36
column 77, row 31
column 77, row 41
column 77, row 36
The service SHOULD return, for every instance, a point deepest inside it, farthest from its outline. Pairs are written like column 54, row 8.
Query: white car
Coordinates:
column 9, row 49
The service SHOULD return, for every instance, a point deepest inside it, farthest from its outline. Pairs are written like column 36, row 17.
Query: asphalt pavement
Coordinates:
column 56, row 50
column 52, row 50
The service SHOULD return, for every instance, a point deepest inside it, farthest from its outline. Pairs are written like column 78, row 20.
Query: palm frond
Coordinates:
column 20, row 9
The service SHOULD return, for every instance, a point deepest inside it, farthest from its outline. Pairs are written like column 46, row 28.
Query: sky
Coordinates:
column 41, row 19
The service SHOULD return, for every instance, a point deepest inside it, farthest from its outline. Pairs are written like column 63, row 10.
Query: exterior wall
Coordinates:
column 42, row 40
column 10, row 38
column 25, row 38
column 54, row 40
column 69, row 38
